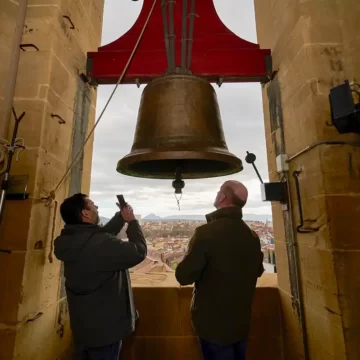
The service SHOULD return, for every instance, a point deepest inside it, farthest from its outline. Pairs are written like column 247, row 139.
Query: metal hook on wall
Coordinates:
column 300, row 228
column 12, row 148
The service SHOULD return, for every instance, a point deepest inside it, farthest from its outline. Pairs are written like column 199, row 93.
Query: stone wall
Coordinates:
column 9, row 11
column 33, row 321
column 164, row 329
column 316, row 46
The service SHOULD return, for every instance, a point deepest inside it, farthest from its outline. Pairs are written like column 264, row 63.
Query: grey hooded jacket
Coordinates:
column 97, row 284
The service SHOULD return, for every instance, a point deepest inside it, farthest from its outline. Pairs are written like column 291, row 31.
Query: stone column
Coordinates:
column 316, row 46
column 60, row 110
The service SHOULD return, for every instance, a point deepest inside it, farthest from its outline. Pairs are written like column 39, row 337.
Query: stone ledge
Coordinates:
column 168, row 280
column 164, row 329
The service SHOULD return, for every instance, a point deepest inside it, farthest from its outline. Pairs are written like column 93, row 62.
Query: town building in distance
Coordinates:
column 168, row 241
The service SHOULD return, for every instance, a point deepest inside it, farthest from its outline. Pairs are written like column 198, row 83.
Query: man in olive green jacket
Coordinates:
column 224, row 260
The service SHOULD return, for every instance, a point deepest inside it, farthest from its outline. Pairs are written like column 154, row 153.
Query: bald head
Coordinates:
column 232, row 193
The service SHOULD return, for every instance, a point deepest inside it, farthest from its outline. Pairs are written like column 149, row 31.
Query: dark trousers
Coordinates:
column 212, row 351
column 108, row 352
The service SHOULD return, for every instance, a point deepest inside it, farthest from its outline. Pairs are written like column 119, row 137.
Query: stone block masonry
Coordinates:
column 60, row 109
column 314, row 49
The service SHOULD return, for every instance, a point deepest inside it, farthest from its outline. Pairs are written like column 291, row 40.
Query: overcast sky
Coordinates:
column 241, row 112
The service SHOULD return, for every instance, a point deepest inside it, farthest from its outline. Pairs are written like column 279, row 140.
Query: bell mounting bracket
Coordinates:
column 217, row 53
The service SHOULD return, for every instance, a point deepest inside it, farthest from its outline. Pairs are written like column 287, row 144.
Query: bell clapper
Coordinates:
column 178, row 184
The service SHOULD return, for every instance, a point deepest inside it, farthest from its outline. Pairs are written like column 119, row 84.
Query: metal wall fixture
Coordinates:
column 271, row 191
column 300, row 228
column 72, row 26
column 12, row 148
column 23, row 47
column 345, row 114
column 60, row 119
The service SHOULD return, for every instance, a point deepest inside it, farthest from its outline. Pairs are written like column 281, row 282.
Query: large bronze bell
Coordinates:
column 179, row 127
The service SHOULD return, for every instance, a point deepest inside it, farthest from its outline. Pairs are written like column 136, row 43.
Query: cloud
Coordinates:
column 242, row 117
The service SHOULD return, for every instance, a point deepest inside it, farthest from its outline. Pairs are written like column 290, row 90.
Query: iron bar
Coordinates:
column 300, row 228
column 318, row 143
column 5, row 182
column 183, row 38
column 191, row 32
column 26, row 46
column 250, row 159
column 60, row 119
column 171, row 35
column 72, row 26
column 166, row 30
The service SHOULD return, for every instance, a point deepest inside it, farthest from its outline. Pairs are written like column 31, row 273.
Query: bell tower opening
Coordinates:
column 146, row 158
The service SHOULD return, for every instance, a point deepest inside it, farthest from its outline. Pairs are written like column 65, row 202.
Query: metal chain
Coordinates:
column 178, row 200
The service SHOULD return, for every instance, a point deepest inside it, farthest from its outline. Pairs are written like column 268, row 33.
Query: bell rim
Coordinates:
column 235, row 163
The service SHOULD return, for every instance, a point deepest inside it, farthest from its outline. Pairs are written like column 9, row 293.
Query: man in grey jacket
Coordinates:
column 98, row 287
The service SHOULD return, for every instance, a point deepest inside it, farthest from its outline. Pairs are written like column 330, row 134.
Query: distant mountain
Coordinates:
column 152, row 217
column 248, row 217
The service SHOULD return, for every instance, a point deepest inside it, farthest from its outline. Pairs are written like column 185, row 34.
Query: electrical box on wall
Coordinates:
column 274, row 191
column 345, row 114
column 271, row 191
column 281, row 163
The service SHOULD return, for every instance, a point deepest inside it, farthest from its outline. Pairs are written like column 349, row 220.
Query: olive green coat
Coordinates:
column 224, row 260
